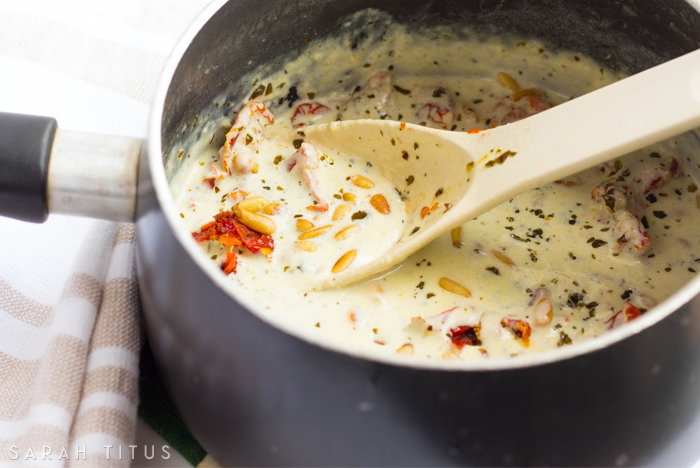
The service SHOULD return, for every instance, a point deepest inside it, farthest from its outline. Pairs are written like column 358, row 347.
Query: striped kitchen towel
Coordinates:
column 69, row 362
column 70, row 329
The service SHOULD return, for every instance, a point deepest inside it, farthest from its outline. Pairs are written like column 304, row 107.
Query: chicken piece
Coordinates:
column 656, row 177
column 238, row 153
column 613, row 195
column 230, row 264
column 436, row 116
column 511, row 111
column 515, row 114
column 543, row 308
column 538, row 295
column 371, row 101
column 630, row 235
column 442, row 321
column 538, row 105
column 307, row 112
column 307, row 159
column 436, row 108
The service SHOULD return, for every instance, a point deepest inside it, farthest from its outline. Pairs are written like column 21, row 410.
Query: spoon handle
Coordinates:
column 643, row 109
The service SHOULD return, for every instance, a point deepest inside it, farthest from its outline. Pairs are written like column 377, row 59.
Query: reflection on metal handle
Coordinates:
column 93, row 175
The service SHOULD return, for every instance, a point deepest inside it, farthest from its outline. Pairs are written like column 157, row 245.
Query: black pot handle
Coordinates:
column 25, row 148
column 45, row 170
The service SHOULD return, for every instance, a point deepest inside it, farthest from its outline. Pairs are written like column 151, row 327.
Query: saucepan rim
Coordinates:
column 170, row 212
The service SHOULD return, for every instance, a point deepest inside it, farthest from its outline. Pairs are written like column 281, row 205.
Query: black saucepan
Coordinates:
column 255, row 394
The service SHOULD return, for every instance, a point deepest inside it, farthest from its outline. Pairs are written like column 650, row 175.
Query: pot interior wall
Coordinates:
column 623, row 35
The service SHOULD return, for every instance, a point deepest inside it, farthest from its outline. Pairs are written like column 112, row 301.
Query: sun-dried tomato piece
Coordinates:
column 209, row 182
column 299, row 119
column 253, row 240
column 465, row 335
column 229, row 240
column 520, row 328
column 205, row 232
column 227, row 230
column 229, row 265
column 628, row 313
column 673, row 168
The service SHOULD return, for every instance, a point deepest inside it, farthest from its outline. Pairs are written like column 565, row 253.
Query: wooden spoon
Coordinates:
column 468, row 174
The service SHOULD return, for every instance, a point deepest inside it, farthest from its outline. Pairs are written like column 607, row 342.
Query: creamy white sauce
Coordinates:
column 555, row 241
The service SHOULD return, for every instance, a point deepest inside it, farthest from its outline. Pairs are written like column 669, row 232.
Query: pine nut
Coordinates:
column 344, row 262
column 341, row 212
column 362, row 182
column 380, row 204
column 306, row 245
column 543, row 312
column 518, row 95
column 504, row 258
column 347, row 233
column 457, row 237
column 450, row 355
column 256, row 222
column 271, row 209
column 252, row 204
column 405, row 349
column 507, row 81
column 304, row 225
column 311, row 233
column 454, row 287
column 349, row 197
